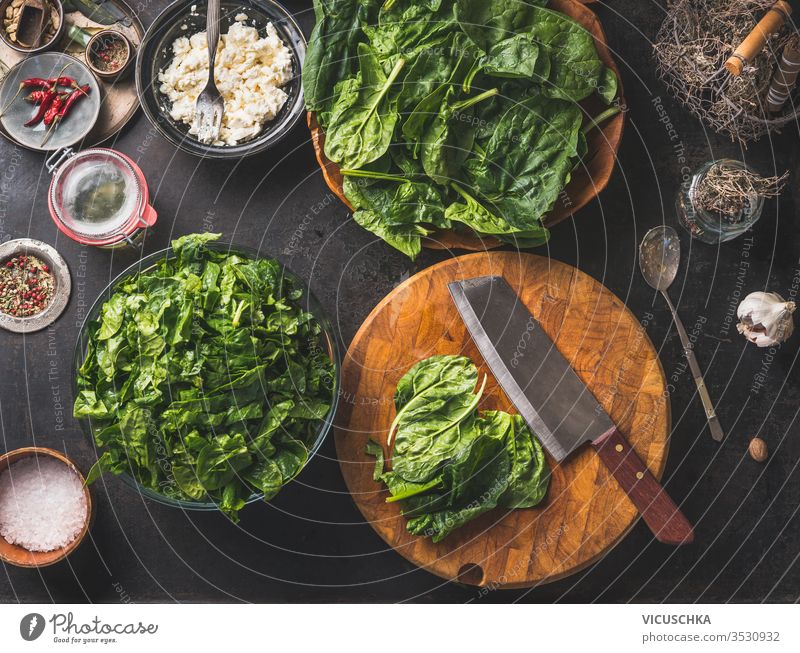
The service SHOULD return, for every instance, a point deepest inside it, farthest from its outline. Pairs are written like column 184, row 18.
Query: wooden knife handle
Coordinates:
column 658, row 511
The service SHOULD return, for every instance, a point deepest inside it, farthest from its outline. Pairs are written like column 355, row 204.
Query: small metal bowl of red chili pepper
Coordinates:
column 34, row 285
column 109, row 54
column 49, row 101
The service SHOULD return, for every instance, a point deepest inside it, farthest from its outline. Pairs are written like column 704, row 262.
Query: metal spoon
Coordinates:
column 210, row 105
column 659, row 256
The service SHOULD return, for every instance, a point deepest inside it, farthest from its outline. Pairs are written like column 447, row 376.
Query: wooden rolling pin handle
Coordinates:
column 754, row 42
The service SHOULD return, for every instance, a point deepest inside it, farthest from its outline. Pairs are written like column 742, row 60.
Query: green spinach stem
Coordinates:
column 469, row 199
column 465, row 104
column 386, row 86
column 395, row 72
column 238, row 314
column 595, row 122
column 466, row 86
column 369, row 174
column 420, row 489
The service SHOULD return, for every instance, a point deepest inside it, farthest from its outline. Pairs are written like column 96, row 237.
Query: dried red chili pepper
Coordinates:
column 76, row 95
column 33, row 82
column 37, row 97
column 64, row 107
column 44, row 108
column 59, row 80
column 64, row 80
column 36, row 82
column 42, row 84
column 54, row 110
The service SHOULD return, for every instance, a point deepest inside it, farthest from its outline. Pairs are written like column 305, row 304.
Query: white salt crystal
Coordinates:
column 42, row 504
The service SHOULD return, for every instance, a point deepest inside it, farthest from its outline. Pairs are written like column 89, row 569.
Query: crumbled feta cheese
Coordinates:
column 249, row 73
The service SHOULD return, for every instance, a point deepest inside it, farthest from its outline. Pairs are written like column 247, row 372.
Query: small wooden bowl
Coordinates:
column 91, row 54
column 17, row 555
column 588, row 179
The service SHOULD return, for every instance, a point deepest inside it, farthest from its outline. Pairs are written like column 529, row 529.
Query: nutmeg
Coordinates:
column 758, row 450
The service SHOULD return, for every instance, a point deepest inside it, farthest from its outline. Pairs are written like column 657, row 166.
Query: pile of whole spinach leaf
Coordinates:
column 204, row 378
column 452, row 114
column 450, row 464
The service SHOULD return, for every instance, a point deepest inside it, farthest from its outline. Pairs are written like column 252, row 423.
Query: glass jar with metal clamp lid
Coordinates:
column 99, row 197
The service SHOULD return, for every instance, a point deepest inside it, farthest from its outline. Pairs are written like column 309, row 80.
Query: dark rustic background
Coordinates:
column 310, row 544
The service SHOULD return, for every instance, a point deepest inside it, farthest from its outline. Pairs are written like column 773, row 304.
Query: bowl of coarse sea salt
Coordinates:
column 45, row 507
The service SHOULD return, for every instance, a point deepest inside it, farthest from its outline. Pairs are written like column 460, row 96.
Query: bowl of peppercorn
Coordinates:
column 34, row 285
column 109, row 54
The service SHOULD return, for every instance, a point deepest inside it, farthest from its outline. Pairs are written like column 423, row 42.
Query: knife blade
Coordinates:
column 103, row 13
column 115, row 11
column 553, row 400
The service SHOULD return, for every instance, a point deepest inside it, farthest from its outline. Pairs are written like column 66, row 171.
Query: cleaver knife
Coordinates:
column 102, row 12
column 552, row 399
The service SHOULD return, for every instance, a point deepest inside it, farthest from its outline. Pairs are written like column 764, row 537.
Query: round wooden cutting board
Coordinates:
column 585, row 512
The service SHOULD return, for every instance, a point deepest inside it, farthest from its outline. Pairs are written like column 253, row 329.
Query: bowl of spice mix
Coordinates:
column 34, row 285
column 45, row 507
column 109, row 54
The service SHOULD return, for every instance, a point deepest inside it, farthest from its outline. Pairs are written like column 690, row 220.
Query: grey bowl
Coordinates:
column 73, row 128
column 63, row 284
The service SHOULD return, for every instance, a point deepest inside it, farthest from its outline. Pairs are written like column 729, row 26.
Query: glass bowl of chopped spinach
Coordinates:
column 206, row 375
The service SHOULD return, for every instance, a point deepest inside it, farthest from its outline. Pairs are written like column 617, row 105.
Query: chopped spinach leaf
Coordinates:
column 204, row 378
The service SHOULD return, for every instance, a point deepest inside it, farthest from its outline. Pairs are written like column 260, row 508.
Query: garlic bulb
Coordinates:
column 765, row 319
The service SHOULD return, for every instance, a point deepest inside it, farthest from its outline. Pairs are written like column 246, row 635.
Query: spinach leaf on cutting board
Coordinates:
column 450, row 464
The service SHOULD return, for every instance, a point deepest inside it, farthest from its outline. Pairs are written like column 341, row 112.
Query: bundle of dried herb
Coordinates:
column 729, row 190
column 691, row 48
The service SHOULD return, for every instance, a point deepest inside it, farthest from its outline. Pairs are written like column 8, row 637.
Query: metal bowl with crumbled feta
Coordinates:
column 257, row 71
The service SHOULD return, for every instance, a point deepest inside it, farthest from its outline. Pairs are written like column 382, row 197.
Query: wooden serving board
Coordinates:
column 588, row 179
column 585, row 512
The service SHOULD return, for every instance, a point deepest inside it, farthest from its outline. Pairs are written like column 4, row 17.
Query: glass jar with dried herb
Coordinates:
column 723, row 199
